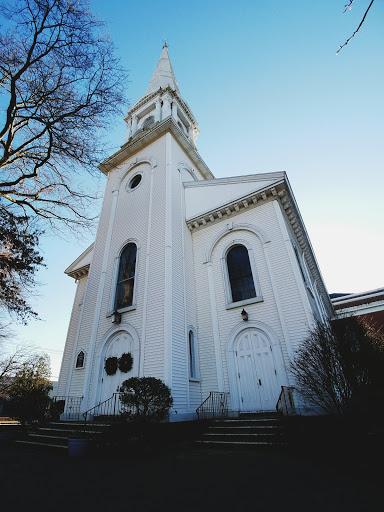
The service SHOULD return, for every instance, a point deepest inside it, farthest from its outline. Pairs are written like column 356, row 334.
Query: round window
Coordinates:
column 135, row 181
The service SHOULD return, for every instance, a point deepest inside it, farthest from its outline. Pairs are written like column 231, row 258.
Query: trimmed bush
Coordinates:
column 145, row 399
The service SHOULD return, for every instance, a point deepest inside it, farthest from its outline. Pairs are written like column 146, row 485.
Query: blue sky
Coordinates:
column 269, row 94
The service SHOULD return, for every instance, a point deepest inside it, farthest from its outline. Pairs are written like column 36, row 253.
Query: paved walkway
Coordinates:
column 189, row 479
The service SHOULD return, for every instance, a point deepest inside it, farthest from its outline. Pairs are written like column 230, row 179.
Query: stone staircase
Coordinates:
column 249, row 430
column 55, row 435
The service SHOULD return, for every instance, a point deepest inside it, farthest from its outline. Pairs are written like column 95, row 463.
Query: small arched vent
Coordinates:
column 148, row 122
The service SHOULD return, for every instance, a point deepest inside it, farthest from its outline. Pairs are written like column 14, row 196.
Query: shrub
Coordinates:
column 145, row 399
column 29, row 393
column 340, row 365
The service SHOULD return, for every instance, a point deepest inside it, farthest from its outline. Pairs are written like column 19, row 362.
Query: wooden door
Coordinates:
column 256, row 373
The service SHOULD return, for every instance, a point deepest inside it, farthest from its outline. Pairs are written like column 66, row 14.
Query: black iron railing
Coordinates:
column 108, row 409
column 65, row 407
column 285, row 403
column 215, row 406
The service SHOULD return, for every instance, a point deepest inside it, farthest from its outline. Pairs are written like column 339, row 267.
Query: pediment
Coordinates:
column 206, row 196
column 81, row 265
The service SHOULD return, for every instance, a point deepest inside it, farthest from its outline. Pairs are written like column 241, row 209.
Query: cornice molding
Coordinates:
column 144, row 138
column 161, row 92
column 275, row 176
column 79, row 272
column 251, row 199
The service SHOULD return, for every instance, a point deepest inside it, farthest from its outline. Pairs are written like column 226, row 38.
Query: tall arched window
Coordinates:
column 192, row 350
column 240, row 274
column 126, row 277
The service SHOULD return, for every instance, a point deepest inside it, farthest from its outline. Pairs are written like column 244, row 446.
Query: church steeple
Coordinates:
column 161, row 101
column 163, row 75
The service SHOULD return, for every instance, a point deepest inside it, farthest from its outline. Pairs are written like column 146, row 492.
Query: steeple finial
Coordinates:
column 163, row 75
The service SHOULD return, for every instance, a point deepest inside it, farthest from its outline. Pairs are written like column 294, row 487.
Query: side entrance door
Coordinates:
column 256, row 373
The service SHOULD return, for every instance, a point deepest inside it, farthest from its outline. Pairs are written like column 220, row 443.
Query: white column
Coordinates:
column 129, row 129
column 158, row 110
column 215, row 329
column 134, row 125
column 99, row 297
column 168, row 316
column 166, row 110
column 174, row 111
column 147, row 261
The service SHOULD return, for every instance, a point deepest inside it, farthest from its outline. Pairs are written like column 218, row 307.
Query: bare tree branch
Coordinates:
column 61, row 86
column 349, row 7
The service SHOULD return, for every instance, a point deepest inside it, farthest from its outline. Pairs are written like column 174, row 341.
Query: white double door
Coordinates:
column 256, row 372
column 121, row 344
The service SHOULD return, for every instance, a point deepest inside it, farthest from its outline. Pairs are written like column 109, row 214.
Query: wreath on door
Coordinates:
column 110, row 365
column 125, row 362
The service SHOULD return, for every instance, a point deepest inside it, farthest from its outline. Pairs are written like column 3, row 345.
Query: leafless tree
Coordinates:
column 12, row 362
column 338, row 362
column 61, row 87
column 348, row 7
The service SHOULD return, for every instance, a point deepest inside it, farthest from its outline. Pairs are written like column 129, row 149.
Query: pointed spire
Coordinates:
column 163, row 75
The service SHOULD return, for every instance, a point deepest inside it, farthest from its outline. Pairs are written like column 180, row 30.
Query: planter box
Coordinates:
column 78, row 447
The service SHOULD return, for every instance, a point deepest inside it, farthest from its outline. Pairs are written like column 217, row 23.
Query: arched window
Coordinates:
column 240, row 274
column 126, row 277
column 80, row 360
column 192, row 351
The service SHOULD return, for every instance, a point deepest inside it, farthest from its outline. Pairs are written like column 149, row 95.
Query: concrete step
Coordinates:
column 73, row 425
column 260, row 415
column 240, row 444
column 55, row 435
column 223, row 438
column 248, row 422
column 48, row 446
column 256, row 429
column 264, row 429
column 67, row 432
column 46, row 439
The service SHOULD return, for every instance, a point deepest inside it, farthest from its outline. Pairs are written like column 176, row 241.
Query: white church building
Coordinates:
column 209, row 284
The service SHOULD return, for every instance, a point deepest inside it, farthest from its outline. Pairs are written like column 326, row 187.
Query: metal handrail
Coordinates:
column 286, row 403
column 214, row 406
column 109, row 407
column 66, row 407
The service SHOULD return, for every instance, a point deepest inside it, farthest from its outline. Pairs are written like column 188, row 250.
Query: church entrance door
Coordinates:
column 120, row 344
column 256, row 372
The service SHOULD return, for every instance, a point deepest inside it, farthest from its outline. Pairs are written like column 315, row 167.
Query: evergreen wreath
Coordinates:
column 125, row 362
column 110, row 365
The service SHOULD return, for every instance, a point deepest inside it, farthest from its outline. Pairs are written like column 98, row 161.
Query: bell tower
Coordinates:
column 161, row 101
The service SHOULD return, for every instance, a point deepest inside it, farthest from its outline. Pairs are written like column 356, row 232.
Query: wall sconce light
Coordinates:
column 244, row 315
column 116, row 317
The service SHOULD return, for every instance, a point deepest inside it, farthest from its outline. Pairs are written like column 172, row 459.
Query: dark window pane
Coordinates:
column 240, row 274
column 125, row 280
column 80, row 360
column 191, row 356
column 127, row 263
column 124, row 294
